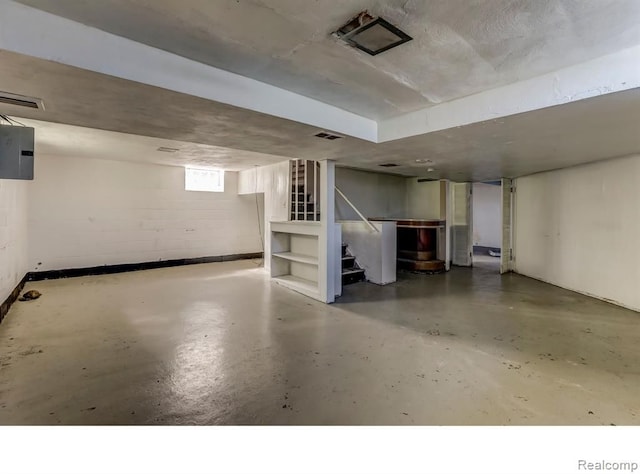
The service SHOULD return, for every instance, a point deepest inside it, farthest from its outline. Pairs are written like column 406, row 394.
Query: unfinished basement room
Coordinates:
column 336, row 214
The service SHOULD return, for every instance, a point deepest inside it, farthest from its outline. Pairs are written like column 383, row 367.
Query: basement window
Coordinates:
column 196, row 179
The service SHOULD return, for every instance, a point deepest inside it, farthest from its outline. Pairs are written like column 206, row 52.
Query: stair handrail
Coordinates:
column 364, row 219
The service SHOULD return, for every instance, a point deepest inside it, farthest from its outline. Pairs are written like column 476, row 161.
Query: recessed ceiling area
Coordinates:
column 71, row 141
column 578, row 131
column 460, row 47
column 221, row 135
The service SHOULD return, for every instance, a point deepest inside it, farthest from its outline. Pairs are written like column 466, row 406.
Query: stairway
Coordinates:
column 351, row 272
column 304, row 191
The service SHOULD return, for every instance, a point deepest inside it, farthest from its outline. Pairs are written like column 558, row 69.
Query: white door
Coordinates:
column 506, row 250
column 461, row 227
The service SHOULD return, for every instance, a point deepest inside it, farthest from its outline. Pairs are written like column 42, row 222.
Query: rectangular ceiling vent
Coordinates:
column 166, row 149
column 327, row 136
column 21, row 100
column 373, row 35
column 388, row 165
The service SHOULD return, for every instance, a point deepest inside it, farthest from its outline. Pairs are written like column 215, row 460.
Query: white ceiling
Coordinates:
column 460, row 47
column 97, row 115
column 69, row 140
column 213, row 134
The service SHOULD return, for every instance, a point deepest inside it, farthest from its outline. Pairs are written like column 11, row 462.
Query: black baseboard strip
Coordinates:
column 108, row 269
column 133, row 267
column 6, row 304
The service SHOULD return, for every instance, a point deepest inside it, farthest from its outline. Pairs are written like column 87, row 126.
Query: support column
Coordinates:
column 329, row 239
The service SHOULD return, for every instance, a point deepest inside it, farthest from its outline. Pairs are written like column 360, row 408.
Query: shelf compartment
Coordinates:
column 301, row 285
column 297, row 227
column 297, row 257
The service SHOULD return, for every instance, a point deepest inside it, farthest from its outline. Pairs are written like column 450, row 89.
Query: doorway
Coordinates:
column 479, row 219
column 487, row 225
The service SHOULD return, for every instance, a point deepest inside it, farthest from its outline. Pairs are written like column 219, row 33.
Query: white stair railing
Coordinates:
column 364, row 219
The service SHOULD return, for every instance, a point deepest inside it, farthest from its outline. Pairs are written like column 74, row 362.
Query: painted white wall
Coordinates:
column 272, row 183
column 87, row 212
column 423, row 199
column 13, row 234
column 579, row 228
column 375, row 251
column 374, row 194
column 487, row 218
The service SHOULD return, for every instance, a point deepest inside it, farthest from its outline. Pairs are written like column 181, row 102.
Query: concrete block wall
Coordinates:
column 88, row 212
column 13, row 234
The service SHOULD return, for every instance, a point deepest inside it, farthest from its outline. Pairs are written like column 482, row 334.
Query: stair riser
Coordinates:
column 348, row 262
column 352, row 278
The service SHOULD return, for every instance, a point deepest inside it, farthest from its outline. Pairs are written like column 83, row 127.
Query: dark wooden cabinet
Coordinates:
column 420, row 244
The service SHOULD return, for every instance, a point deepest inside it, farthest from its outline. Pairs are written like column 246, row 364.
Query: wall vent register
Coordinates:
column 21, row 100
column 327, row 136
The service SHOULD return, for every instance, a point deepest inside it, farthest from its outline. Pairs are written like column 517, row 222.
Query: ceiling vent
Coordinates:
column 327, row 136
column 373, row 35
column 166, row 149
column 388, row 165
column 21, row 100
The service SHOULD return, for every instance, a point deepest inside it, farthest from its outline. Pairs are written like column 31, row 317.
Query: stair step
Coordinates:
column 353, row 275
column 352, row 271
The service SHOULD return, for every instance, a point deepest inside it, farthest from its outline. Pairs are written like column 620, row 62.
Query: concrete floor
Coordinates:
column 486, row 262
column 220, row 344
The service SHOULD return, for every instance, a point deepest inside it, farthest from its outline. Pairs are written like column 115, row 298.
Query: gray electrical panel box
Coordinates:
column 16, row 152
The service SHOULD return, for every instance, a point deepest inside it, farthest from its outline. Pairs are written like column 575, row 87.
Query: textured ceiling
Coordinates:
column 460, row 47
column 70, row 140
column 592, row 129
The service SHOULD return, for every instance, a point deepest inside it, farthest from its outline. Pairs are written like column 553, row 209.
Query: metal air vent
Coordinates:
column 373, row 35
column 166, row 149
column 388, row 165
column 327, row 136
column 21, row 100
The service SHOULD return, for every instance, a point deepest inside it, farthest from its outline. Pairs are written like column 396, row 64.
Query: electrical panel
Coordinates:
column 16, row 152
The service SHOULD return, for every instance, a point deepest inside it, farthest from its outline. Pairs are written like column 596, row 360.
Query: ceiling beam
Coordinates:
column 607, row 74
column 33, row 32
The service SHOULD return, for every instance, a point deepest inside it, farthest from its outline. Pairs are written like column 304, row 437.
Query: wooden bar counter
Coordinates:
column 418, row 244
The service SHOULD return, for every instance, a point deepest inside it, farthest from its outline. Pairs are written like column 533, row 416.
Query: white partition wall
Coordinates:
column 579, row 228
column 375, row 251
column 305, row 255
column 273, row 181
